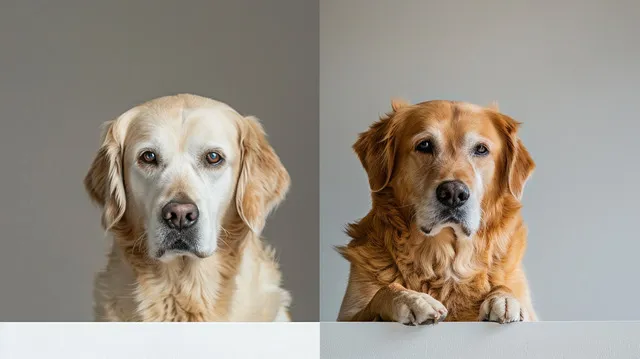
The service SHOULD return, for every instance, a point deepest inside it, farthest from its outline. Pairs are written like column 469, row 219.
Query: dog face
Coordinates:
column 178, row 168
column 180, row 175
column 447, row 161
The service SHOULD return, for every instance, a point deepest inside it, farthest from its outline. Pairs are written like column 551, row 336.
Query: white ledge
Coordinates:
column 159, row 340
column 546, row 340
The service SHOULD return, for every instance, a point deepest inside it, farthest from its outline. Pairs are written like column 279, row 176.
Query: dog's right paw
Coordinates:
column 503, row 309
column 414, row 308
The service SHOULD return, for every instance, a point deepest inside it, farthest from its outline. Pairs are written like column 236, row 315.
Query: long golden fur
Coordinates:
column 401, row 273
column 240, row 279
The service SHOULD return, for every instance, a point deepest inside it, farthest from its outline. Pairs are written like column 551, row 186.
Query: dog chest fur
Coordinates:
column 213, row 289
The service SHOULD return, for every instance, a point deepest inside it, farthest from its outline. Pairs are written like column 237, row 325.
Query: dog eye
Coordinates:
column 425, row 147
column 214, row 158
column 480, row 150
column 148, row 157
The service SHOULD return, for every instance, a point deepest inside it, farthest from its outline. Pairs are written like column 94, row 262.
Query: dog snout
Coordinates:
column 452, row 194
column 180, row 215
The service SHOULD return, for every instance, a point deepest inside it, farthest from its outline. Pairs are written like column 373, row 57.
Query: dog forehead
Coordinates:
column 474, row 121
column 186, row 127
column 451, row 120
column 210, row 125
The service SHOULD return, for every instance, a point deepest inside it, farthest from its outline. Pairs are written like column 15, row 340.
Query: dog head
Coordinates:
column 446, row 161
column 176, row 168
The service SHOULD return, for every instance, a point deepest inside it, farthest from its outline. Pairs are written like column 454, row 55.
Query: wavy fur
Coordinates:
column 389, row 255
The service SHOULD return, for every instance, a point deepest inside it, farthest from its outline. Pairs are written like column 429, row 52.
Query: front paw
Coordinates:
column 414, row 308
column 502, row 309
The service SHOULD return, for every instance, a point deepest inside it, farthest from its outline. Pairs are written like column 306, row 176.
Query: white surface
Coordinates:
column 569, row 70
column 547, row 340
column 159, row 340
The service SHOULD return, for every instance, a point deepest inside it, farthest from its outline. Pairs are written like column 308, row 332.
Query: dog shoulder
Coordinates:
column 113, row 290
column 368, row 255
column 259, row 295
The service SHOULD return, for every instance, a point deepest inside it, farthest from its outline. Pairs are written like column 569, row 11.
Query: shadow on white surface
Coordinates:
column 546, row 340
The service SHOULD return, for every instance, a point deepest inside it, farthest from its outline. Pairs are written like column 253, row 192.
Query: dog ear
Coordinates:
column 519, row 164
column 521, row 169
column 397, row 103
column 494, row 106
column 376, row 149
column 263, row 181
column 104, row 182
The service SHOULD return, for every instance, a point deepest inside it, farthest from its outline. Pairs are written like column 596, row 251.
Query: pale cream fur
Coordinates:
column 120, row 296
column 240, row 279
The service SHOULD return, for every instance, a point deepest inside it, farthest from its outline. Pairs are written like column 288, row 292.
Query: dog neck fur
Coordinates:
column 240, row 282
column 183, row 289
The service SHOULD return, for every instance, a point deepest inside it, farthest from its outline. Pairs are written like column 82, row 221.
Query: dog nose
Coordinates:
column 452, row 194
column 180, row 215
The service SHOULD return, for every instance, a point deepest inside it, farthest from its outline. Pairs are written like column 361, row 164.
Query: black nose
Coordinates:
column 180, row 215
column 452, row 194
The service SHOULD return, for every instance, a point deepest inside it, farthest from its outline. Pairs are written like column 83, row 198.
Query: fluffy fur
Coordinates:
column 236, row 277
column 401, row 273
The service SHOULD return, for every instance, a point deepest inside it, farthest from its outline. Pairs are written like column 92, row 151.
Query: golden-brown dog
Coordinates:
column 444, row 239
column 185, row 184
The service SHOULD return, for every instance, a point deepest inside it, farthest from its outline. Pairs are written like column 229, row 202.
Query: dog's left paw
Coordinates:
column 503, row 309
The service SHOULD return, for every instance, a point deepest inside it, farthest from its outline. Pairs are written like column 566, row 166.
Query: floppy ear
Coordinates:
column 519, row 164
column 104, row 181
column 263, row 180
column 521, row 170
column 376, row 149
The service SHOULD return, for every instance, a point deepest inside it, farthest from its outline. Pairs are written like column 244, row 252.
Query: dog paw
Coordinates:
column 414, row 308
column 502, row 309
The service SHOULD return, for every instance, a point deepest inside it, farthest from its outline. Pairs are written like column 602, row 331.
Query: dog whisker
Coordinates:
column 222, row 239
column 139, row 241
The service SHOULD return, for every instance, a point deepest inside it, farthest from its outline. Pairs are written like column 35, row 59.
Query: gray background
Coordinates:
column 68, row 66
column 568, row 69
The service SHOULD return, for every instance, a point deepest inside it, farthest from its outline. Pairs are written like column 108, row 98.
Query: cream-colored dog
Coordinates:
column 185, row 184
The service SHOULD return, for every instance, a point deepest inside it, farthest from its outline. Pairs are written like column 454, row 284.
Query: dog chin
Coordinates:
column 181, row 249
column 167, row 256
column 461, row 230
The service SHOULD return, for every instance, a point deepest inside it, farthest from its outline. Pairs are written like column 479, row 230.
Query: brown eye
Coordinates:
column 480, row 150
column 425, row 147
column 214, row 158
column 148, row 157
